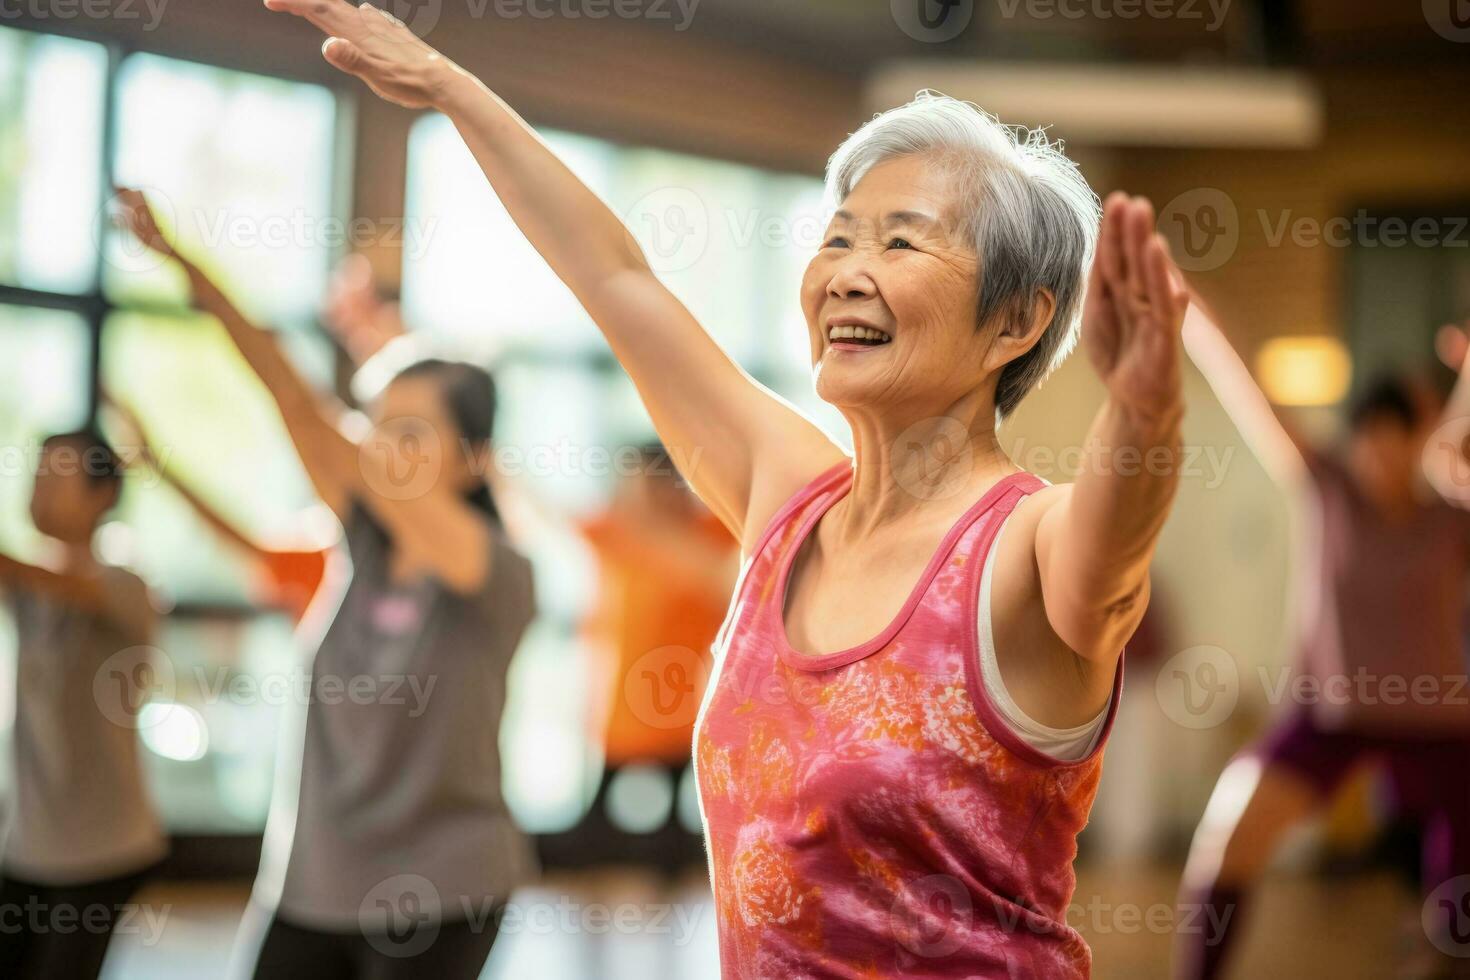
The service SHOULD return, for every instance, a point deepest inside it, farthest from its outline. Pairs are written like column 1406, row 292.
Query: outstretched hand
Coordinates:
column 1452, row 345
column 1134, row 311
column 376, row 47
column 137, row 216
column 356, row 314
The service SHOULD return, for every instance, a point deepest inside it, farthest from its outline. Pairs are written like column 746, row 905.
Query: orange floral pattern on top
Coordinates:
column 868, row 813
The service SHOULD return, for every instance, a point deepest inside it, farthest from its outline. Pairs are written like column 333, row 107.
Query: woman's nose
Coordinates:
column 851, row 280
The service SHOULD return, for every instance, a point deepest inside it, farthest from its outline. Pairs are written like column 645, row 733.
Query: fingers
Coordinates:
column 1161, row 289
column 135, row 212
column 342, row 55
column 1097, row 301
column 1138, row 228
column 137, row 216
column 1109, row 239
column 334, row 17
column 1451, row 344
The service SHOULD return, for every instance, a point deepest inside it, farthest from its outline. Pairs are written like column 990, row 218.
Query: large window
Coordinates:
column 241, row 166
column 730, row 240
column 51, row 106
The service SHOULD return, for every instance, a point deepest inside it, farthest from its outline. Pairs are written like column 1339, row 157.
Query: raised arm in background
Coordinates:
column 1447, row 450
column 437, row 530
column 132, row 431
column 1277, row 443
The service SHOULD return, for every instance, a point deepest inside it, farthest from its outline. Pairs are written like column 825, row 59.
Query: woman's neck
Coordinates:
column 910, row 462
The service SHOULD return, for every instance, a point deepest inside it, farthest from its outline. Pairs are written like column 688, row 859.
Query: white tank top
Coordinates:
column 1067, row 744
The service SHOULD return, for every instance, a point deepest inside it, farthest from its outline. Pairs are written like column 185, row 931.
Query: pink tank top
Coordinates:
column 868, row 813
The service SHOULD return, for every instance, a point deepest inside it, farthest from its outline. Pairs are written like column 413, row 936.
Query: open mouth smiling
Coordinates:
column 845, row 334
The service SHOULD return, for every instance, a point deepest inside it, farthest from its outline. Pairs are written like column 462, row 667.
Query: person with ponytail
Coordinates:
column 393, row 853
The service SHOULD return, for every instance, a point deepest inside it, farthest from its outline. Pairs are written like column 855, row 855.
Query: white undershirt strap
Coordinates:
column 1065, row 744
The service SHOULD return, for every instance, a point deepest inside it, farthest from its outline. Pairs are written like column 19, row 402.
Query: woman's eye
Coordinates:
column 900, row 243
column 835, row 242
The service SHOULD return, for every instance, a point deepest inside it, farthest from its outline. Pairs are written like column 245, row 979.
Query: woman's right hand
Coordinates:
column 379, row 49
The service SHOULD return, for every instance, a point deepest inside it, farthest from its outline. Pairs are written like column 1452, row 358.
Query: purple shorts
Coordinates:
column 1430, row 776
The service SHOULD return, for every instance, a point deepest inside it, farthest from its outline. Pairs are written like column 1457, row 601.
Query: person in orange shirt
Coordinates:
column 666, row 566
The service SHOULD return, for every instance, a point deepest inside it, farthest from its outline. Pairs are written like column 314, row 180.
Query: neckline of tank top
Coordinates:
column 776, row 602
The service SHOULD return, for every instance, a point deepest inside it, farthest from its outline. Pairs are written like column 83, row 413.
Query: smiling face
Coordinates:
column 891, row 299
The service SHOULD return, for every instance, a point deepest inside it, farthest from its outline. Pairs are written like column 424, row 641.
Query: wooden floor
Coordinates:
column 617, row 925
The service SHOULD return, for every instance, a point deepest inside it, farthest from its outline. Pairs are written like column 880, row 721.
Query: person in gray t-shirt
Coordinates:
column 397, row 853
column 81, row 832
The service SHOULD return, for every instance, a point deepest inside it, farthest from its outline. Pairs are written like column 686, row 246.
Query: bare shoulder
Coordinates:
column 1033, row 508
column 1016, row 549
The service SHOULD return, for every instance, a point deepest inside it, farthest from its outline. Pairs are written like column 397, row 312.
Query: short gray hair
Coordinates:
column 1032, row 217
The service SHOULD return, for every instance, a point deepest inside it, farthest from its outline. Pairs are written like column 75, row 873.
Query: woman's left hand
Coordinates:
column 378, row 48
column 1134, row 311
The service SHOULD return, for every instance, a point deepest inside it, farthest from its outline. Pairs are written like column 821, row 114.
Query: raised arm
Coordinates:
column 355, row 313
column 129, row 610
column 439, row 531
column 311, row 420
column 1447, row 449
column 133, row 431
column 1096, row 539
column 742, row 448
column 1279, row 445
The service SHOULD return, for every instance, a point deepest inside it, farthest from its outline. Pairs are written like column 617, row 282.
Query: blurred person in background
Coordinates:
column 665, row 569
column 397, row 854
column 1380, row 596
column 863, row 766
column 82, row 834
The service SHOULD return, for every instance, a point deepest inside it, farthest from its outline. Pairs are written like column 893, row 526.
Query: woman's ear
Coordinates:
column 1020, row 331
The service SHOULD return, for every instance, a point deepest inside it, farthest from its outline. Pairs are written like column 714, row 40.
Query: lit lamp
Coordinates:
column 1305, row 371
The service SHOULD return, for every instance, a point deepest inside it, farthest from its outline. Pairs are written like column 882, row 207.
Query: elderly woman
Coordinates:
column 909, row 705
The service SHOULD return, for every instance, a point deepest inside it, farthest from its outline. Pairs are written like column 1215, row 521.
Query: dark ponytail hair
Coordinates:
column 469, row 394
